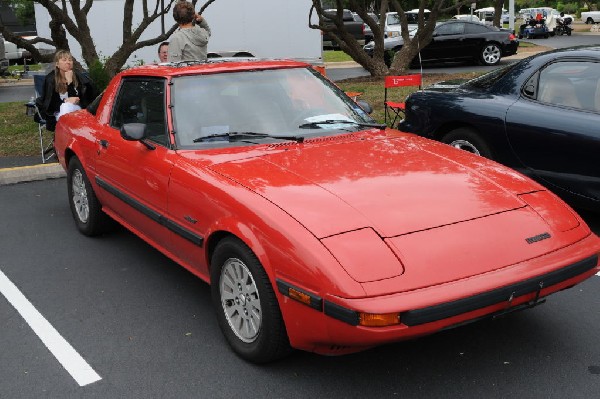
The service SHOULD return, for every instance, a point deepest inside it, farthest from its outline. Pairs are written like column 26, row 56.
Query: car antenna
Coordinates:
column 420, row 63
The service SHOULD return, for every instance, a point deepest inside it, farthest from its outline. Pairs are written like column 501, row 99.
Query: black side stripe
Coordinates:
column 155, row 216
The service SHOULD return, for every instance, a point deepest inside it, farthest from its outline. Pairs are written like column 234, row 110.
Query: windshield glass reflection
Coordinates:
column 260, row 105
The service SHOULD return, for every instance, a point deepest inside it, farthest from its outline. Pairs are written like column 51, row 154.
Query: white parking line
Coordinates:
column 58, row 346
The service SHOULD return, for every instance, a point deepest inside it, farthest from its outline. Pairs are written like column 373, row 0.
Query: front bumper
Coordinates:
column 330, row 325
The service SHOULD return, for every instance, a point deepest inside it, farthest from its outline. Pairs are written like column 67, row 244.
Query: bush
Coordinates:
column 99, row 75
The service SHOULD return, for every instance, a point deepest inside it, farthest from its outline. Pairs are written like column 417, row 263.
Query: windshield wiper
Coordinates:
column 315, row 125
column 238, row 136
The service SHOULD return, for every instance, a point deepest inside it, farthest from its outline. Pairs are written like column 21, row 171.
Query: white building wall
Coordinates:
column 266, row 28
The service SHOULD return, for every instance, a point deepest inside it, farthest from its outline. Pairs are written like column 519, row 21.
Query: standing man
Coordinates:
column 163, row 52
column 188, row 42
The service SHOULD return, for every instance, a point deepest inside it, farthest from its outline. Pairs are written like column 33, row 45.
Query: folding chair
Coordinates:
column 397, row 108
column 46, row 145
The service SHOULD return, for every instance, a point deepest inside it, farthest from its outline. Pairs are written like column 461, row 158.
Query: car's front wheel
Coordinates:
column 85, row 207
column 491, row 54
column 467, row 140
column 246, row 306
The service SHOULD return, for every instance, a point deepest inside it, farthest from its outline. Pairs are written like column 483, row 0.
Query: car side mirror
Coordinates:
column 529, row 90
column 136, row 132
column 365, row 106
column 133, row 131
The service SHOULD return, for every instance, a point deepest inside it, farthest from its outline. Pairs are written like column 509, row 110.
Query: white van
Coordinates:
column 392, row 26
column 15, row 54
column 3, row 59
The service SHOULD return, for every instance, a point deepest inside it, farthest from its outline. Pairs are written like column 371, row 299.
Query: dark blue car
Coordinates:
column 540, row 116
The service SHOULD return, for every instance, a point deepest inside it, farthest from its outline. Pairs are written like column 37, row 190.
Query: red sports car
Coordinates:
column 317, row 228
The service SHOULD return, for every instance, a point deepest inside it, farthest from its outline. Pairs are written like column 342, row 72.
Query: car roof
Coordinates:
column 460, row 21
column 575, row 51
column 212, row 66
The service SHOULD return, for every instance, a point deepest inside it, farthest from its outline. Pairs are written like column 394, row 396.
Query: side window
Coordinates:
column 142, row 100
column 571, row 84
column 455, row 28
column 476, row 28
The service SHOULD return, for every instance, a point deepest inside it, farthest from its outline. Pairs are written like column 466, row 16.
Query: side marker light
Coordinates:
column 378, row 320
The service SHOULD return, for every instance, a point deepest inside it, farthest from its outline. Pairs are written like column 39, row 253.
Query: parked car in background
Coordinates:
column 539, row 116
column 590, row 17
column 467, row 17
column 4, row 64
column 392, row 26
column 16, row 55
column 317, row 228
column 352, row 26
column 505, row 18
column 455, row 40
column 366, row 28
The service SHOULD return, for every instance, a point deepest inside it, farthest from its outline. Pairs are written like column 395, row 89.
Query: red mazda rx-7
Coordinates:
column 317, row 228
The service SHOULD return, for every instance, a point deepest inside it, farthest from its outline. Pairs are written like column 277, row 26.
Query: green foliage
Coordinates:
column 24, row 10
column 569, row 8
column 99, row 75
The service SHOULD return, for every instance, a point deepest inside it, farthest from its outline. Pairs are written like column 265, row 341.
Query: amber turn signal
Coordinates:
column 299, row 296
column 378, row 320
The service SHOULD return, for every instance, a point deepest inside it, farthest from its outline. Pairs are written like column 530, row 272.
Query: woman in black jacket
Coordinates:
column 64, row 86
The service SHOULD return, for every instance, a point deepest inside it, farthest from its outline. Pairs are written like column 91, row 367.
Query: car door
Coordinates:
column 474, row 38
column 446, row 43
column 136, row 173
column 554, row 127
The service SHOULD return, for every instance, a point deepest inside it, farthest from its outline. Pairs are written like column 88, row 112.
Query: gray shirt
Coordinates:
column 189, row 44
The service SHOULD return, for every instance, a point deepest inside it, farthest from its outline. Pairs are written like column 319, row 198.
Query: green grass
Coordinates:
column 335, row 56
column 373, row 93
column 18, row 132
column 13, row 72
column 32, row 67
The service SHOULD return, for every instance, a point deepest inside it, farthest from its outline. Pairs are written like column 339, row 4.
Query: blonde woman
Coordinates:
column 65, row 90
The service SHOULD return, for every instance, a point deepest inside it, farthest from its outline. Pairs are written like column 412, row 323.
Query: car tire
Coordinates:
column 589, row 21
column 85, row 207
column 490, row 54
column 568, row 33
column 247, row 309
column 467, row 140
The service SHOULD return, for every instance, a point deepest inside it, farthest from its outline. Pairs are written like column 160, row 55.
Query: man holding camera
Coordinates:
column 189, row 41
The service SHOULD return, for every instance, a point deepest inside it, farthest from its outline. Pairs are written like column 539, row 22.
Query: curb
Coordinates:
column 31, row 173
column 16, row 82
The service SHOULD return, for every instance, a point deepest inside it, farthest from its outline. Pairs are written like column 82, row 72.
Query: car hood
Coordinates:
column 394, row 185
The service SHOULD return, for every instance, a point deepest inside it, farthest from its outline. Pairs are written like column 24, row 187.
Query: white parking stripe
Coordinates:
column 58, row 346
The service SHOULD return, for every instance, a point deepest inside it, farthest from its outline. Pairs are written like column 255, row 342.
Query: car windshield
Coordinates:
column 239, row 107
column 411, row 16
column 393, row 19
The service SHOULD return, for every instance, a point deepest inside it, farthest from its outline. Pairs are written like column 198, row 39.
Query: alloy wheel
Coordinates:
column 240, row 300
column 80, row 196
